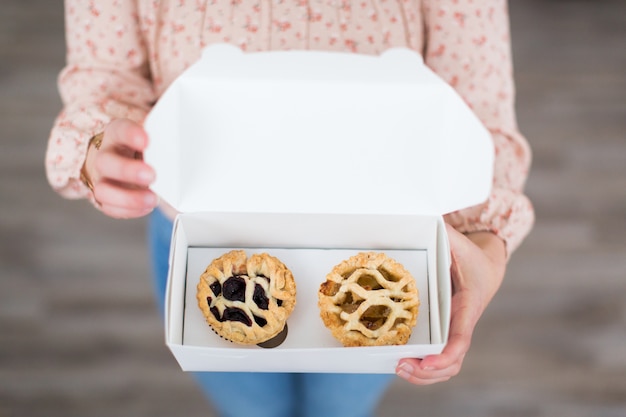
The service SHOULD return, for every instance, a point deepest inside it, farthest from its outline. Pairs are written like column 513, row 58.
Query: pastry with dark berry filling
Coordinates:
column 246, row 300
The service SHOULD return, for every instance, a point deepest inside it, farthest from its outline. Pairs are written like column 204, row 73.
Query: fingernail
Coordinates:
column 150, row 200
column 146, row 175
column 405, row 369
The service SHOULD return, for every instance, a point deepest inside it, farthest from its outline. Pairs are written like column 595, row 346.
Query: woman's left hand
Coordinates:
column 477, row 270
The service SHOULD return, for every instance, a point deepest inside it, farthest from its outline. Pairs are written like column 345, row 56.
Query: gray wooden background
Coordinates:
column 80, row 335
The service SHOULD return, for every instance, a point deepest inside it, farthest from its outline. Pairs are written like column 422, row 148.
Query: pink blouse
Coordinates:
column 123, row 54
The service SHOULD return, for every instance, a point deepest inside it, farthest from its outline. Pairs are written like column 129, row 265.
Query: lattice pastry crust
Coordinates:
column 369, row 300
column 246, row 300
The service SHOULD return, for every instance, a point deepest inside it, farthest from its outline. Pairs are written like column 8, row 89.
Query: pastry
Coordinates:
column 246, row 300
column 369, row 300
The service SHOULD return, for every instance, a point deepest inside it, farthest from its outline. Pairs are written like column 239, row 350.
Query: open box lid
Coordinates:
column 316, row 132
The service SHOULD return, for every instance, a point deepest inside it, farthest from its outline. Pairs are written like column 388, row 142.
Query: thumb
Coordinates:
column 460, row 247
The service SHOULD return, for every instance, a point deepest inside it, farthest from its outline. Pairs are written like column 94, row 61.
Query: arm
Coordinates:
column 106, row 78
column 468, row 45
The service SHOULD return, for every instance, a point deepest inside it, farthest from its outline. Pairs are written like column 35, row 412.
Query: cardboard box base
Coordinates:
column 310, row 245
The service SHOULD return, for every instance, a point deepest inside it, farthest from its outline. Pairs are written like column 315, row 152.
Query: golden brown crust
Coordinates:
column 369, row 300
column 246, row 300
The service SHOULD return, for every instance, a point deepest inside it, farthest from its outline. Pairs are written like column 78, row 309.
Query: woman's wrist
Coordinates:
column 491, row 244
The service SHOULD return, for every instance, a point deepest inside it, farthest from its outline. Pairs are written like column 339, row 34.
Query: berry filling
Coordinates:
column 259, row 297
column 216, row 287
column 232, row 314
column 234, row 289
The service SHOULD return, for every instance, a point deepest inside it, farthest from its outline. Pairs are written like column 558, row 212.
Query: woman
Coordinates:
column 122, row 55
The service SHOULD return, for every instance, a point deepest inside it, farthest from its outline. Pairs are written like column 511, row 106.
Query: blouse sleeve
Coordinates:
column 468, row 45
column 106, row 77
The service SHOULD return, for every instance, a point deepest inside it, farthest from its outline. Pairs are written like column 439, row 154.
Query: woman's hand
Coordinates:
column 119, row 176
column 478, row 267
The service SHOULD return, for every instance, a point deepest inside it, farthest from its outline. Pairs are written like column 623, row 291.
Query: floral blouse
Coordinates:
column 123, row 54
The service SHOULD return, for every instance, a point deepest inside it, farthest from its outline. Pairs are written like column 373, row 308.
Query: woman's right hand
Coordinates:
column 119, row 176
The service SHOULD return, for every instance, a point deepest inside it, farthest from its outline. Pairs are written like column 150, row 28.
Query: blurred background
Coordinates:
column 80, row 335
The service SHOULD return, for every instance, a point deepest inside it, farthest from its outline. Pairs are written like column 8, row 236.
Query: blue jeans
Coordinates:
column 271, row 394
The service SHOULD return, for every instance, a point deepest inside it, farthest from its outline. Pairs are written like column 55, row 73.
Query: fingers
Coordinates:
column 117, row 160
column 122, row 133
column 436, row 368
column 117, row 167
column 120, row 177
column 451, row 356
column 413, row 371
column 120, row 202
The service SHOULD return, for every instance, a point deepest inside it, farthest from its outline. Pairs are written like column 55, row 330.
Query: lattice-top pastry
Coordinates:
column 246, row 300
column 369, row 300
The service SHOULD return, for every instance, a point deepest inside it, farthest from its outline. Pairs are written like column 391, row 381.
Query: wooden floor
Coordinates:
column 79, row 333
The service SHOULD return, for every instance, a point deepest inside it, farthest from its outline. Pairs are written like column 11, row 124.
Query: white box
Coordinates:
column 312, row 157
